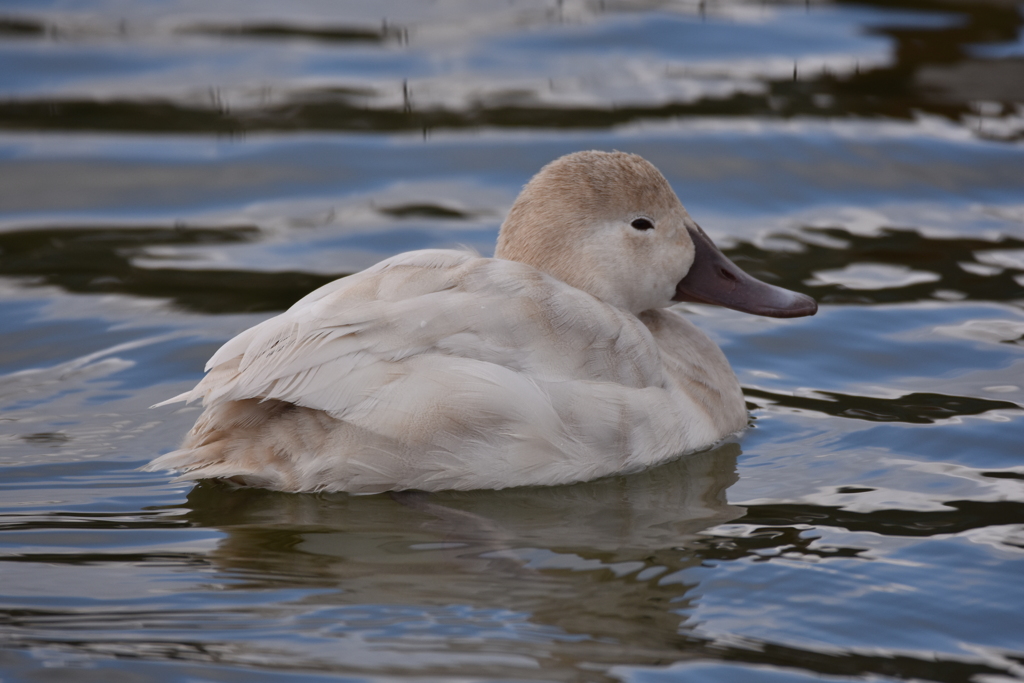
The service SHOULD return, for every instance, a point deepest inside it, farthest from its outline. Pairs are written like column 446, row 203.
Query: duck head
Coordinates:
column 611, row 225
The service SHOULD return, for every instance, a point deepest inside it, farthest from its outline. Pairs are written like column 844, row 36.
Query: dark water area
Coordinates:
column 172, row 173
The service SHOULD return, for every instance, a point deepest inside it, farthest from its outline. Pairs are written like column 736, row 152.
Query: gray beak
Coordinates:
column 714, row 279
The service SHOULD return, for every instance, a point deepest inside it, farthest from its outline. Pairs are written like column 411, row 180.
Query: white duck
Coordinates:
column 557, row 361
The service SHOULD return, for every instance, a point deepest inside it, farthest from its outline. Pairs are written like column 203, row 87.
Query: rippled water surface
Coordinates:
column 174, row 172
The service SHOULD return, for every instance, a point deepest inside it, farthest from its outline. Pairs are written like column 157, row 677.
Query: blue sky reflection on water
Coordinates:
column 172, row 173
column 761, row 168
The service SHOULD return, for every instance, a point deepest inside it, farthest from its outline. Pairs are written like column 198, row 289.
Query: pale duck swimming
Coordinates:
column 557, row 361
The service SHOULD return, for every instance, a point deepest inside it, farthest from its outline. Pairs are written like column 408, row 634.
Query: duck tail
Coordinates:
column 189, row 460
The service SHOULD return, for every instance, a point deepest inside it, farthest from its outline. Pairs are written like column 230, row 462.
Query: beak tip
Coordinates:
column 802, row 306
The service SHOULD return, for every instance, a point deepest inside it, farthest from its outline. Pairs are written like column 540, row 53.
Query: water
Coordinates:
column 172, row 173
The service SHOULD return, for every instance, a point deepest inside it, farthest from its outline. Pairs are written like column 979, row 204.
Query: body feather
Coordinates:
column 441, row 369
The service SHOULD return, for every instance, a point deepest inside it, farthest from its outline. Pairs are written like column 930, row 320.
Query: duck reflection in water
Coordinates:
column 592, row 560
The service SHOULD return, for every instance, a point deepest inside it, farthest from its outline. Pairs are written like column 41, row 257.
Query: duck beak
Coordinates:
column 714, row 279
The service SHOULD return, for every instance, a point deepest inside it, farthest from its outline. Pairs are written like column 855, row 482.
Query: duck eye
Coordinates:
column 642, row 224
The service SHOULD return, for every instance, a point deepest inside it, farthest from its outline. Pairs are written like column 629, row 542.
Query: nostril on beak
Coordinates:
column 727, row 275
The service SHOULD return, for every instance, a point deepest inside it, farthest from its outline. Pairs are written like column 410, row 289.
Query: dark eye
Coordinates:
column 642, row 224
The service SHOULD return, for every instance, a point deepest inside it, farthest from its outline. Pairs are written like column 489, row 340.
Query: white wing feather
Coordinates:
column 341, row 344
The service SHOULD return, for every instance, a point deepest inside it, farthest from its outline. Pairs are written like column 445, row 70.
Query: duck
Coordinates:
column 562, row 359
